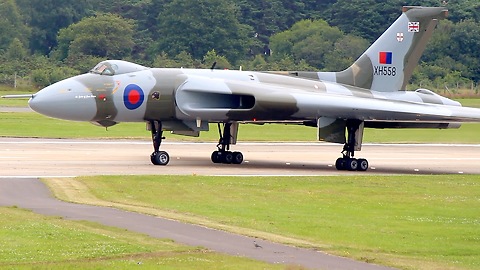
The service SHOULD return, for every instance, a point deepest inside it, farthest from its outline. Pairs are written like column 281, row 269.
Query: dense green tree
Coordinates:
column 318, row 9
column 181, row 60
column 258, row 63
column 144, row 13
column 11, row 25
column 187, row 61
column 48, row 75
column 369, row 18
column 465, row 9
column 46, row 17
column 103, row 35
column 274, row 16
column 345, row 51
column 15, row 63
column 163, row 61
column 466, row 47
column 199, row 26
column 269, row 17
column 212, row 57
column 288, row 63
column 454, row 47
column 182, row 33
column 307, row 40
column 16, row 51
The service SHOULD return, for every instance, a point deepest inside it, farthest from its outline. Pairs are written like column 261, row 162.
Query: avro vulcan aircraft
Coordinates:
column 369, row 94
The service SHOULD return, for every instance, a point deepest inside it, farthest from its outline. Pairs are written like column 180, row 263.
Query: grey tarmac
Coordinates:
column 60, row 157
column 14, row 109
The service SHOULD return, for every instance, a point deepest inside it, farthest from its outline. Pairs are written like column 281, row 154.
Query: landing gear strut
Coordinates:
column 223, row 154
column 158, row 157
column 348, row 162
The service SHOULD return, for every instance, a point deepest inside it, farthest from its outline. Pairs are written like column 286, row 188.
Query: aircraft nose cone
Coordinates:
column 67, row 99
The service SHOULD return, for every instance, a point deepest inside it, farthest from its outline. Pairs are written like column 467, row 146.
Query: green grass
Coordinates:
column 31, row 241
column 467, row 133
column 419, row 222
column 470, row 102
column 35, row 125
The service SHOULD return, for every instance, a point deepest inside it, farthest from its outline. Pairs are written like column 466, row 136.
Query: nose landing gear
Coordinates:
column 158, row 157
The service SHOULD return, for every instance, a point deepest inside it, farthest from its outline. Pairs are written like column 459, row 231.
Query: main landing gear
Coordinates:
column 348, row 162
column 158, row 157
column 223, row 154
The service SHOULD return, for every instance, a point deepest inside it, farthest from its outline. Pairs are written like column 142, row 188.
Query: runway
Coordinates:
column 22, row 161
column 59, row 157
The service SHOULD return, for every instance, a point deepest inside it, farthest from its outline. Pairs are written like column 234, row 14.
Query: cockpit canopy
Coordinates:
column 116, row 67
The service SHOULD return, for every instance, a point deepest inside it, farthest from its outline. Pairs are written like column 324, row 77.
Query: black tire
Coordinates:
column 152, row 159
column 216, row 157
column 362, row 165
column 160, row 158
column 237, row 158
column 352, row 164
column 227, row 157
column 340, row 164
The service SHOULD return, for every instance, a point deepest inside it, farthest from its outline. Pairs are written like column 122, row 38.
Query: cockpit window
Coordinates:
column 103, row 68
column 116, row 67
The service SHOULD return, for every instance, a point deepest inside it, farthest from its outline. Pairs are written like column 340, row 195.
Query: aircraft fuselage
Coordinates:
column 209, row 95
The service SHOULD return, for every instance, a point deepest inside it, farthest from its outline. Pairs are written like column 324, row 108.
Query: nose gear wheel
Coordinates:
column 158, row 157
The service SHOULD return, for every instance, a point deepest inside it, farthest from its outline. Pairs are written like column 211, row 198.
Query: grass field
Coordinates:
column 470, row 102
column 35, row 125
column 411, row 222
column 31, row 241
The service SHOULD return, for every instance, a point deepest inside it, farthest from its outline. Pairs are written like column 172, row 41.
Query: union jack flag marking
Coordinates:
column 413, row 26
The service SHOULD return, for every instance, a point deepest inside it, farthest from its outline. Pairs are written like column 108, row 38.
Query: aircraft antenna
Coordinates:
column 213, row 66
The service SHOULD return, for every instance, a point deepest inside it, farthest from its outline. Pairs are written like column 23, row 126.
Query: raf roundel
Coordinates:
column 133, row 96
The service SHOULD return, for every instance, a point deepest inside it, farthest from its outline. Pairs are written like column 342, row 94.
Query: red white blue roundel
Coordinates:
column 133, row 96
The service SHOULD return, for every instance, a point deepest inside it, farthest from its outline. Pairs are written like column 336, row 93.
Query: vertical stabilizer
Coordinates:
column 387, row 65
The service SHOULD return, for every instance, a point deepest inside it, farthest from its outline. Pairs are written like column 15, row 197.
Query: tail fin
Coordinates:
column 387, row 65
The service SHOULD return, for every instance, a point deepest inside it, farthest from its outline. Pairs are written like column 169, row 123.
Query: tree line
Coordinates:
column 43, row 41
